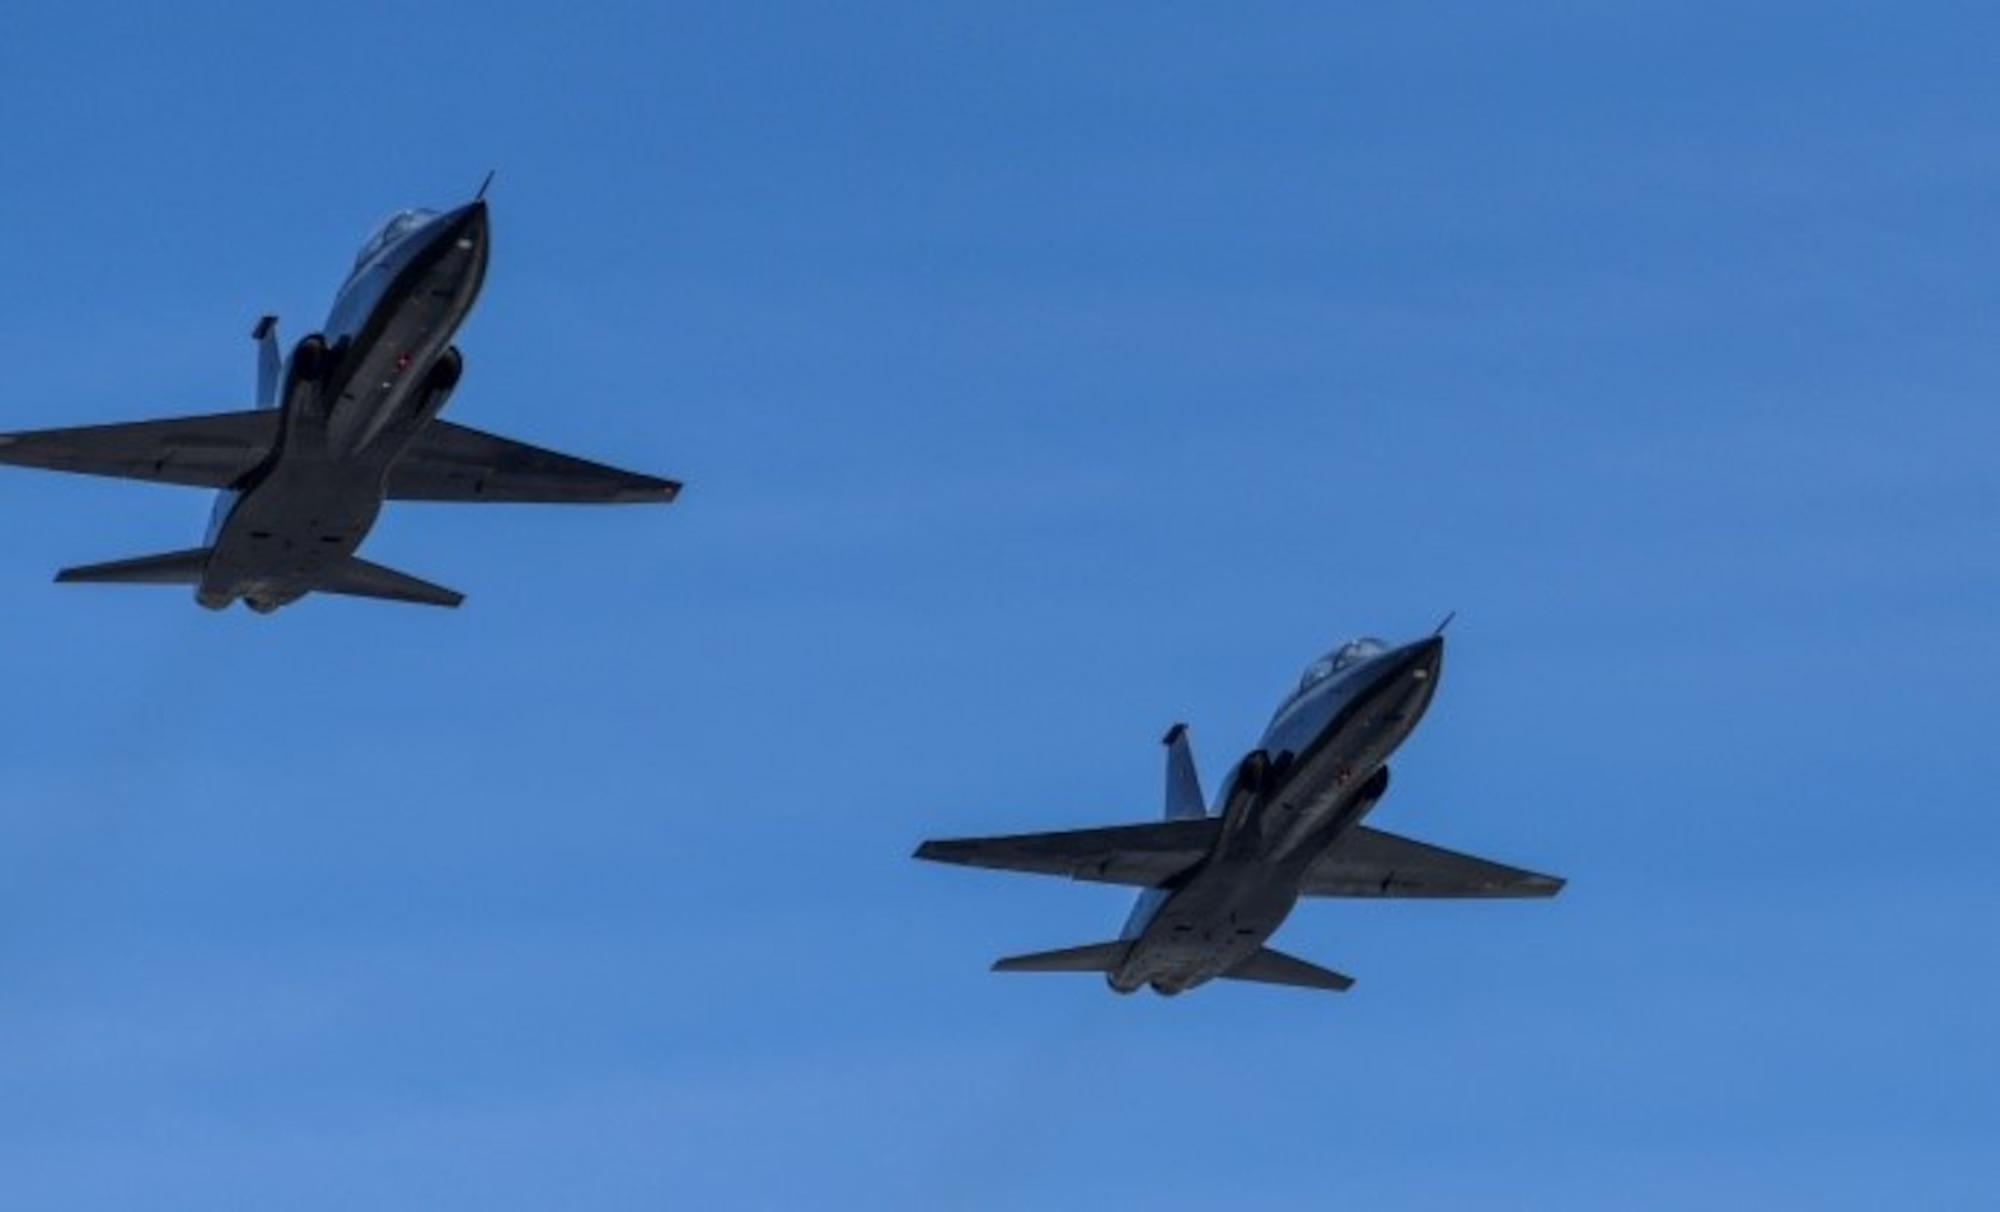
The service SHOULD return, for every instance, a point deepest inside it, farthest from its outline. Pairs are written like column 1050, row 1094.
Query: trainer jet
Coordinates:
column 1287, row 824
column 348, row 421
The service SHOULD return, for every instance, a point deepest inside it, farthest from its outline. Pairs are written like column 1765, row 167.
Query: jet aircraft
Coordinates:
column 1287, row 824
column 348, row 421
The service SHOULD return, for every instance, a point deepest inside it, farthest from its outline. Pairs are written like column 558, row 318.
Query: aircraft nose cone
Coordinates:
column 1422, row 659
column 467, row 223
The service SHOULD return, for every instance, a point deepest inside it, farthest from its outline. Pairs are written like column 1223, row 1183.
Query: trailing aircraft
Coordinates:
column 1287, row 824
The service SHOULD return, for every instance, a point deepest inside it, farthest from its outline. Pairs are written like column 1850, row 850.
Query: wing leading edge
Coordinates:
column 1143, row 856
column 213, row 451
column 1369, row 862
column 449, row 462
column 1365, row 862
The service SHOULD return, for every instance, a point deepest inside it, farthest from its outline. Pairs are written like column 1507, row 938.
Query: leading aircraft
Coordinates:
column 348, row 421
column 1287, row 824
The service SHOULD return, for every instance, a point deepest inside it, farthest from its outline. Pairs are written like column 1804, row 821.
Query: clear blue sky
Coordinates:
column 1041, row 375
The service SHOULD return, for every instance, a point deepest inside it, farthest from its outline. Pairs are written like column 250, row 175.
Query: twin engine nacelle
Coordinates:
column 445, row 372
column 308, row 363
column 438, row 383
column 305, row 370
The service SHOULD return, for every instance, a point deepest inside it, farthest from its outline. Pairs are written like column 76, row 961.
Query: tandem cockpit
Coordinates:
column 1355, row 652
column 391, row 229
column 1340, row 660
column 389, row 249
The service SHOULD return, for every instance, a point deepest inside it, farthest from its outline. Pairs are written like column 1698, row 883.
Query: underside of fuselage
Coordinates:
column 351, row 408
column 1223, row 916
column 1225, row 911
column 284, row 539
column 1281, row 811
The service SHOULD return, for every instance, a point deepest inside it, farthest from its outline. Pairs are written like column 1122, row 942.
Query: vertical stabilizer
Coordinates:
column 1183, row 784
column 269, row 362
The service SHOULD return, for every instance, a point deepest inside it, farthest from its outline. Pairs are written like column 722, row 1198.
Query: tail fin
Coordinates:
column 1095, row 957
column 1183, row 784
column 360, row 579
column 1277, row 968
column 172, row 568
column 269, row 362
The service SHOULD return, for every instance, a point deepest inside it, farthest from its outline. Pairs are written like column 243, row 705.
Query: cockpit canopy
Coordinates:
column 392, row 229
column 1343, row 658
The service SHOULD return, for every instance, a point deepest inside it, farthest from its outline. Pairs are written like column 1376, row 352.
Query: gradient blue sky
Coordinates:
column 1041, row 375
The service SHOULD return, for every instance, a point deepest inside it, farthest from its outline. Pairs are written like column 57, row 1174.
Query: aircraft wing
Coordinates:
column 1144, row 856
column 1369, row 862
column 450, row 462
column 214, row 451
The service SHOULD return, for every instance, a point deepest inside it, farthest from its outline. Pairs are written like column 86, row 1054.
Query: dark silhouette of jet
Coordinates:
column 1287, row 825
column 349, row 421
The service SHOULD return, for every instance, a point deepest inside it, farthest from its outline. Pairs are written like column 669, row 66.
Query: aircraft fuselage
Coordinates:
column 1322, row 764
column 352, row 401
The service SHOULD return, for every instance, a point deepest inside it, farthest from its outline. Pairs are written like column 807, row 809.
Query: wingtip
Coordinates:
column 959, row 852
column 1533, row 885
column 651, row 492
column 1010, row 963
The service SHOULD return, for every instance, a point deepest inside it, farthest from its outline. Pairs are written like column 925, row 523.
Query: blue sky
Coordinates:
column 1041, row 376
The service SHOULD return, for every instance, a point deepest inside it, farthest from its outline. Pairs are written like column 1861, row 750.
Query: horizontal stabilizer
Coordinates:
column 450, row 462
column 1370, row 862
column 173, row 568
column 1096, row 957
column 1143, row 856
column 214, row 451
column 1276, row 968
column 360, row 579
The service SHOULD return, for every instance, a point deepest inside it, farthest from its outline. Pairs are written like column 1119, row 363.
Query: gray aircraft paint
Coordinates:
column 1287, row 823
